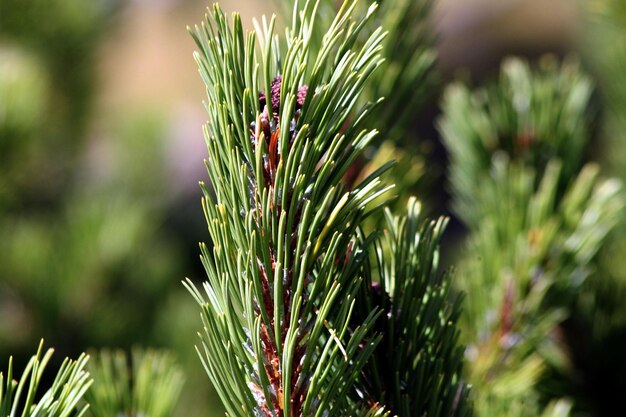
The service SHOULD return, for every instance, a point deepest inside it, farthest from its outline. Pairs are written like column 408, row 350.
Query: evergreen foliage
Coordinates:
column 537, row 219
column 416, row 369
column 82, row 236
column 321, row 300
column 147, row 386
column 276, row 339
column 600, row 309
column 61, row 399
column 289, row 258
column 531, row 117
column 403, row 83
column 405, row 78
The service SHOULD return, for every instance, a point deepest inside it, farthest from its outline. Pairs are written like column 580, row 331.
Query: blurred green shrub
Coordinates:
column 84, row 255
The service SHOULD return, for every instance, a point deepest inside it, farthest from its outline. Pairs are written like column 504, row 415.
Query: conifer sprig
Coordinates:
column 284, row 268
column 532, row 116
column 406, row 77
column 18, row 397
column 148, row 385
column 537, row 219
column 404, row 82
column 423, row 376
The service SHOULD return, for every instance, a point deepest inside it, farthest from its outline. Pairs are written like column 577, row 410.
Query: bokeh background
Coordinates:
column 101, row 150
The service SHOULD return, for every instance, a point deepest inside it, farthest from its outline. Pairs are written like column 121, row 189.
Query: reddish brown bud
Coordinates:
column 275, row 90
column 276, row 85
column 302, row 92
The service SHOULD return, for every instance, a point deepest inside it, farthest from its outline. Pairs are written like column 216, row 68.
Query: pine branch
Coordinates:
column 403, row 83
column 532, row 116
column 406, row 76
column 283, row 272
column 148, row 386
column 600, row 312
column 536, row 224
column 423, row 376
column 17, row 397
column 406, row 80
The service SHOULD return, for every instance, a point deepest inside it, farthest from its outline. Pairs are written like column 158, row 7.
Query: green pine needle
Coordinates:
column 147, row 386
column 61, row 399
column 283, row 269
column 531, row 115
column 537, row 219
column 423, row 376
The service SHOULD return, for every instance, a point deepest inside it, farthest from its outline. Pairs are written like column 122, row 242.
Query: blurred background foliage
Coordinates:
column 101, row 150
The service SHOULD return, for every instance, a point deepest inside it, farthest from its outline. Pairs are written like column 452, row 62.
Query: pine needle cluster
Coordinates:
column 296, row 317
column 537, row 218
column 18, row 397
column 321, row 299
